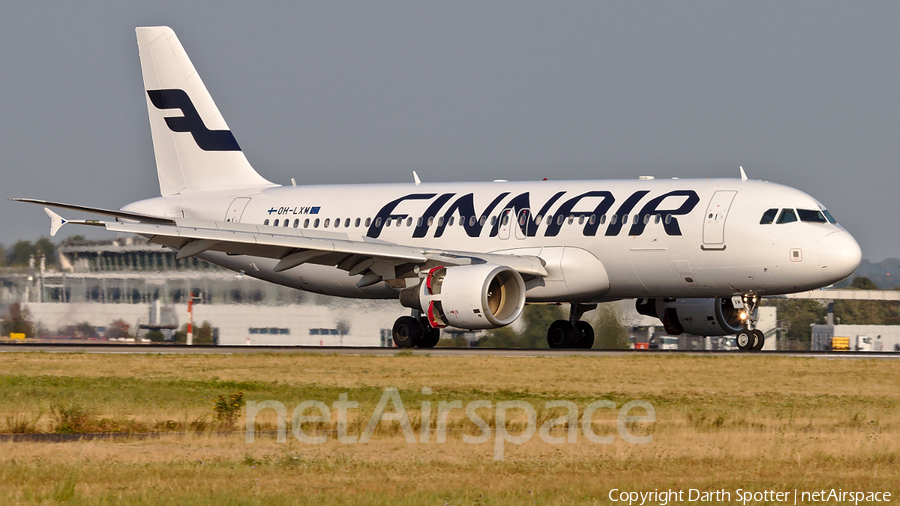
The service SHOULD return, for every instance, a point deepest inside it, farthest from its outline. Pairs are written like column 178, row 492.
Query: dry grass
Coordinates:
column 723, row 422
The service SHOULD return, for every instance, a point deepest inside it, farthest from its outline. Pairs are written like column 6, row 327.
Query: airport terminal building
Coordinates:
column 148, row 287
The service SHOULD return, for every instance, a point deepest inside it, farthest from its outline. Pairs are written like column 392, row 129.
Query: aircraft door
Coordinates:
column 714, row 219
column 236, row 209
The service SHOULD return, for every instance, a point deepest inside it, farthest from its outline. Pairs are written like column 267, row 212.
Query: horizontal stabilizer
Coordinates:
column 142, row 218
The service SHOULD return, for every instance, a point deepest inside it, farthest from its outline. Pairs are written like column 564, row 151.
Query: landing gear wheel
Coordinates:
column 406, row 332
column 760, row 339
column 561, row 334
column 585, row 335
column 745, row 340
column 430, row 337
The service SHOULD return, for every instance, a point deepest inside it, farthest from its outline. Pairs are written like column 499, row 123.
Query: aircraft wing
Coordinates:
column 376, row 260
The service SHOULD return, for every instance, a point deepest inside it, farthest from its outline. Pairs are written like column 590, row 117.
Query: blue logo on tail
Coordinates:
column 190, row 121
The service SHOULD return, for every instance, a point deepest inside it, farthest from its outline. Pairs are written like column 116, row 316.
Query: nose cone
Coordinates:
column 839, row 255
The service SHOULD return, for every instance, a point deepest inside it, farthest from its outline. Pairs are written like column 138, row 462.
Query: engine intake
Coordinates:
column 483, row 296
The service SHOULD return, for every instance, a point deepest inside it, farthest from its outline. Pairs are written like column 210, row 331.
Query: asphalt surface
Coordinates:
column 435, row 352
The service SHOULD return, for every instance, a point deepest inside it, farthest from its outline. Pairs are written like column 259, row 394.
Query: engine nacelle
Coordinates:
column 483, row 296
column 702, row 317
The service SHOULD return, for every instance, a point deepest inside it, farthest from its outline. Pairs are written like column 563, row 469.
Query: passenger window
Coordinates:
column 612, row 219
column 275, row 224
column 482, row 220
column 646, row 219
column 387, row 222
column 400, row 221
column 266, row 222
column 787, row 216
column 559, row 219
column 287, row 222
column 430, row 221
column 306, row 223
column 316, row 223
column 409, row 221
column 581, row 220
column 549, row 219
column 668, row 219
column 337, row 223
column 356, row 224
column 768, row 217
column 657, row 219
column 377, row 222
column 624, row 219
column 450, row 222
column 811, row 215
column 327, row 222
column 419, row 222
column 296, row 222
column 493, row 220
column 593, row 219
column 368, row 222
column 571, row 219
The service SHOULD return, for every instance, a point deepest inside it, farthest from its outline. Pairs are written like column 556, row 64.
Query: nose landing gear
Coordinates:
column 750, row 339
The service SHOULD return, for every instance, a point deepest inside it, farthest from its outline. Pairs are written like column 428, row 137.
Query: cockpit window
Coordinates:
column 811, row 215
column 768, row 217
column 829, row 217
column 787, row 216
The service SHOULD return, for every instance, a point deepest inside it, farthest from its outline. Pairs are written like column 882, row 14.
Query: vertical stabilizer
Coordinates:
column 195, row 150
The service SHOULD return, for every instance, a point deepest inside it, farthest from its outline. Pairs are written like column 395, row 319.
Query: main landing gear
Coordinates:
column 750, row 339
column 572, row 333
column 409, row 331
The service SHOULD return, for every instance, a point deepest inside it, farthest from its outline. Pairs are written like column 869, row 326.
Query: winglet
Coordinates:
column 416, row 178
column 56, row 221
column 743, row 174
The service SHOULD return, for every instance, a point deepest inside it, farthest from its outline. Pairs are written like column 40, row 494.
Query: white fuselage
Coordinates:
column 682, row 237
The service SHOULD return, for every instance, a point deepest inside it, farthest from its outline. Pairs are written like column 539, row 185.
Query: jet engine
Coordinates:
column 702, row 317
column 483, row 296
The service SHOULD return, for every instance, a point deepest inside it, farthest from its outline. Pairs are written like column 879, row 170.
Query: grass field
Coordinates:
column 738, row 422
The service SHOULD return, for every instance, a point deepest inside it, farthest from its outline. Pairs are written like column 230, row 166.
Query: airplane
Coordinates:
column 699, row 254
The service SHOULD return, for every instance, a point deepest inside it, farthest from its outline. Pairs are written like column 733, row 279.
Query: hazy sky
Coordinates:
column 801, row 93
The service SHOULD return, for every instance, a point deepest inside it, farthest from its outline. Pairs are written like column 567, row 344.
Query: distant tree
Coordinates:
column 203, row 334
column 866, row 312
column 795, row 317
column 155, row 336
column 73, row 239
column 609, row 332
column 118, row 329
column 18, row 320
column 21, row 252
column 86, row 329
column 537, row 319
column 343, row 326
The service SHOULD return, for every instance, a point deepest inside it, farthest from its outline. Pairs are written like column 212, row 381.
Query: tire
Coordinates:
column 585, row 333
column 430, row 337
column 745, row 340
column 561, row 334
column 760, row 340
column 406, row 332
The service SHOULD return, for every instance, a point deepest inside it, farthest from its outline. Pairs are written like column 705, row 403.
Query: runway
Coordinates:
column 434, row 352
